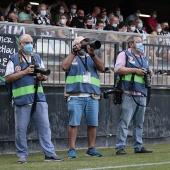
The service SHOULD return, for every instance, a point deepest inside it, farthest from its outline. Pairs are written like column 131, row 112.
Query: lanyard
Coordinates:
column 84, row 64
column 140, row 63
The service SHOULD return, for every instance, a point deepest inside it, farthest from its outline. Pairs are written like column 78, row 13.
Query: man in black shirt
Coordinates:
column 78, row 22
column 113, row 24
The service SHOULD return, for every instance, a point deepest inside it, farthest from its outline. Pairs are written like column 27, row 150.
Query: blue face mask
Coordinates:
column 82, row 51
column 62, row 21
column 140, row 25
column 114, row 25
column 132, row 29
column 139, row 47
column 73, row 11
column 62, row 11
column 43, row 12
column 28, row 48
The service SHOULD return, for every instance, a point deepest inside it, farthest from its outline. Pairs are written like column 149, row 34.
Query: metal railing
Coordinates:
column 53, row 49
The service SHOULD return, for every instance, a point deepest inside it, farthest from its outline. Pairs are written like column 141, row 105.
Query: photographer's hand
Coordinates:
column 140, row 72
column 41, row 77
column 29, row 70
column 90, row 50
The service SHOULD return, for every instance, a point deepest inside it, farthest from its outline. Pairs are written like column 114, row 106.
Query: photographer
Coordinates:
column 82, row 92
column 131, row 66
column 22, row 73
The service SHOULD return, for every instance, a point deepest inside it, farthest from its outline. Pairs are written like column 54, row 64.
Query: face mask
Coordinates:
column 132, row 29
column 28, row 48
column 125, row 30
column 82, row 51
column 43, row 12
column 100, row 29
column 154, row 15
column 166, row 29
column 114, row 25
column 137, row 14
column 159, row 30
column 62, row 21
column 80, row 17
column 73, row 11
column 62, row 11
column 139, row 47
column 140, row 25
column 89, row 26
column 118, row 13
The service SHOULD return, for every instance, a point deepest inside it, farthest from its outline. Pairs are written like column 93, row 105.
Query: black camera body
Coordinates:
column 147, row 78
column 117, row 95
column 92, row 44
column 37, row 69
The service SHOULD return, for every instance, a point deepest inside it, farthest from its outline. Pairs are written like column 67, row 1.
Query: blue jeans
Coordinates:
column 131, row 111
column 79, row 105
column 41, row 120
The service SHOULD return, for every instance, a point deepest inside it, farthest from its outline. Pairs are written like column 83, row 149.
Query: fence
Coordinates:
column 53, row 49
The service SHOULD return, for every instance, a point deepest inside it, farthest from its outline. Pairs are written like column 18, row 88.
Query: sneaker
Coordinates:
column 22, row 160
column 54, row 158
column 143, row 150
column 93, row 152
column 72, row 153
column 121, row 152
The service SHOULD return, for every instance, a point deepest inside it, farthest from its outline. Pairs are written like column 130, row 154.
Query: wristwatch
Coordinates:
column 92, row 55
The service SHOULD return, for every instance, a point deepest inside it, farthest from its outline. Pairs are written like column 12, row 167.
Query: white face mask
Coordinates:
column 159, row 30
column 62, row 21
column 114, row 25
column 154, row 15
column 132, row 29
column 100, row 29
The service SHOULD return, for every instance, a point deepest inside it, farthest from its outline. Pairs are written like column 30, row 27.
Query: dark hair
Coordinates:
column 99, row 22
column 27, row 3
column 131, row 22
column 123, row 24
column 86, row 19
column 68, row 18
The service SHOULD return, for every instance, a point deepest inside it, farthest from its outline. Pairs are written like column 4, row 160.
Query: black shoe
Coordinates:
column 121, row 152
column 143, row 150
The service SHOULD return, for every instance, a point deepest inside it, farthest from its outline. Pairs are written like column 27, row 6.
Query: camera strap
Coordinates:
column 131, row 87
column 84, row 64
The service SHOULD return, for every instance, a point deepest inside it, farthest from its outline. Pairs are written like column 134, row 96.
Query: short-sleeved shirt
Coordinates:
column 23, row 16
column 76, row 23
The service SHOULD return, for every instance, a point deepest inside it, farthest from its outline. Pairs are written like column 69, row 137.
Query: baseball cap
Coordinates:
column 79, row 39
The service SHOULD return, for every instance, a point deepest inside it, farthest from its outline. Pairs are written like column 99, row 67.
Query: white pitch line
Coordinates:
column 126, row 166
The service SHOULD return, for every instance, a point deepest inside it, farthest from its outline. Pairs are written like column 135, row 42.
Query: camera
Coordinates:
column 37, row 69
column 147, row 78
column 92, row 44
column 117, row 97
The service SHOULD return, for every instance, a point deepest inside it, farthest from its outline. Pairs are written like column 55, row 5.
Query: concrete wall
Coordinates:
column 156, row 125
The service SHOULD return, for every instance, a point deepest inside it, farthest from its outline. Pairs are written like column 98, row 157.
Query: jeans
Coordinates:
column 131, row 111
column 41, row 120
column 79, row 105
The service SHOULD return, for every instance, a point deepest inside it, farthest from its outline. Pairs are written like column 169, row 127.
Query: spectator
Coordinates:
column 129, row 63
column 131, row 26
column 113, row 24
column 158, row 30
column 103, row 17
column 165, row 29
column 52, row 8
column 64, row 19
column 19, row 72
column 60, row 11
column 139, row 26
column 27, row 16
column 133, row 16
column 93, row 15
column 82, row 95
column 72, row 12
column 42, row 19
column 78, row 22
column 151, row 22
column 118, row 14
column 99, row 25
column 123, row 26
column 14, row 6
column 14, row 29
column 88, row 23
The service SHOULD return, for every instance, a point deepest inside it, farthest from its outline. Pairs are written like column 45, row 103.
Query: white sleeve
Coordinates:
column 42, row 64
column 9, row 68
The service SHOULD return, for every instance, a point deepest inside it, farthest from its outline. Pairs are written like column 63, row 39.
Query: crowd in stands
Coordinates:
column 58, row 14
